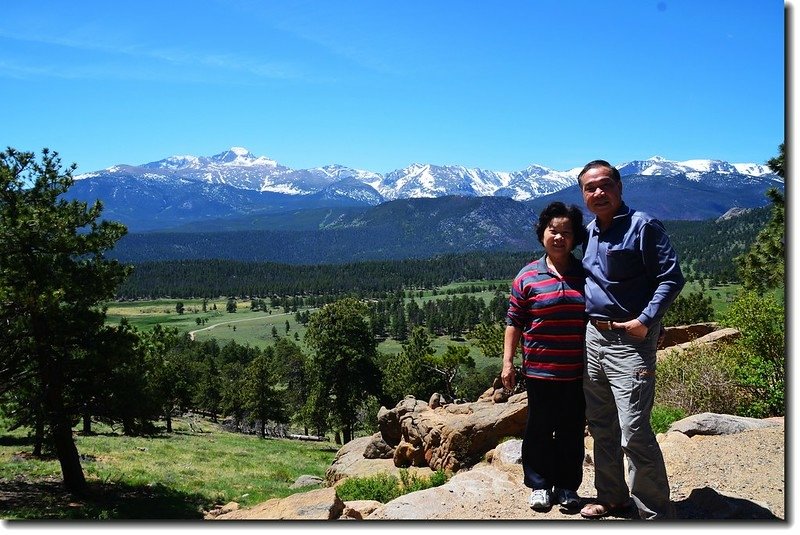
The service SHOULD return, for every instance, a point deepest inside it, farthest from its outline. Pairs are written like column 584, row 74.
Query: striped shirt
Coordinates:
column 550, row 310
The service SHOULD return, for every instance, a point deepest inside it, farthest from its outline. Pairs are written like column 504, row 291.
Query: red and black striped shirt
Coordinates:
column 551, row 312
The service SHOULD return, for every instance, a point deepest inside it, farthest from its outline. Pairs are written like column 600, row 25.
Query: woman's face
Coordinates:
column 558, row 239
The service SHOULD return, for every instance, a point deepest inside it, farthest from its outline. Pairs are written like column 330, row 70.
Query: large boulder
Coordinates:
column 709, row 423
column 681, row 334
column 455, row 499
column 351, row 461
column 453, row 436
column 320, row 504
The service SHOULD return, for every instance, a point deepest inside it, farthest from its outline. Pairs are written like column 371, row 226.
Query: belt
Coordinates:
column 605, row 325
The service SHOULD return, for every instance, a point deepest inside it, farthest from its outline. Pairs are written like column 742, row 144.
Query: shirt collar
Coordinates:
column 574, row 264
column 622, row 212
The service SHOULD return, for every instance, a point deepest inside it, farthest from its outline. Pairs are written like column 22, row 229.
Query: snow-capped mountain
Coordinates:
column 692, row 169
column 239, row 168
column 426, row 180
column 184, row 189
column 236, row 167
column 536, row 181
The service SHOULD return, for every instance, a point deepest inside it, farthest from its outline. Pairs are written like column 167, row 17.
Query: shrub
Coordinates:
column 761, row 371
column 663, row 416
column 700, row 379
column 384, row 487
column 381, row 487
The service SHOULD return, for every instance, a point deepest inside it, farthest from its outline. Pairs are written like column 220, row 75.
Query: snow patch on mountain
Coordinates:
column 753, row 169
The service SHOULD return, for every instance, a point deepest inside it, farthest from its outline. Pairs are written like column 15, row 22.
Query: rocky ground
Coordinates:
column 737, row 476
column 740, row 475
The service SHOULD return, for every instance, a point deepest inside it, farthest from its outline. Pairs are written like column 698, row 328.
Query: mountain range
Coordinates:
column 201, row 192
column 420, row 210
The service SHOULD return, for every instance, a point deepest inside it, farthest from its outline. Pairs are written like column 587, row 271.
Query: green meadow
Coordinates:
column 247, row 327
column 165, row 476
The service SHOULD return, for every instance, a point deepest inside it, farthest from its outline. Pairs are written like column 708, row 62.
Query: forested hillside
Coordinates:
column 706, row 248
column 208, row 278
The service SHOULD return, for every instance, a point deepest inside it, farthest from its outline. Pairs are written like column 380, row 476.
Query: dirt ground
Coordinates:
column 739, row 476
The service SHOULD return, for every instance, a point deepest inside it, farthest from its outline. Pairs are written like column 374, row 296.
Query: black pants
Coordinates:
column 552, row 449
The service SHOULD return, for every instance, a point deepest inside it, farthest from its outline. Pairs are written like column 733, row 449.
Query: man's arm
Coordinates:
column 661, row 263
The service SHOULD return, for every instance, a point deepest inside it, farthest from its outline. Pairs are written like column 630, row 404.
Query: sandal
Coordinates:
column 599, row 510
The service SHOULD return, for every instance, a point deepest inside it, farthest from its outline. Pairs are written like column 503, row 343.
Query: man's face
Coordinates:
column 601, row 193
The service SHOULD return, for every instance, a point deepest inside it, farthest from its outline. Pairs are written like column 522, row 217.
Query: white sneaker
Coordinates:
column 539, row 499
column 566, row 497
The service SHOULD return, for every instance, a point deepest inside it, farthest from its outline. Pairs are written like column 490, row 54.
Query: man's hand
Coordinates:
column 634, row 328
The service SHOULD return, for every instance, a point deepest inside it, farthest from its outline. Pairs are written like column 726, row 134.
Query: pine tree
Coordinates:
column 764, row 266
column 343, row 361
column 53, row 278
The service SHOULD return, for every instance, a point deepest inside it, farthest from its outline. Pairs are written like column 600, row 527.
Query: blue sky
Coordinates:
column 378, row 85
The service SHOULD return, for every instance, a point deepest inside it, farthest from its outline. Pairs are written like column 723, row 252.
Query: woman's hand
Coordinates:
column 509, row 376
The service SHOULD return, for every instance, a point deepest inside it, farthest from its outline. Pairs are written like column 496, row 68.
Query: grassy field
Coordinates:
column 167, row 476
column 255, row 328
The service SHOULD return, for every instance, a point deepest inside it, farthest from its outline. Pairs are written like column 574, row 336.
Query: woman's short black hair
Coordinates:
column 559, row 209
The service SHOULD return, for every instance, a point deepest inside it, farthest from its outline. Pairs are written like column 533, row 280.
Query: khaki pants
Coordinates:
column 619, row 386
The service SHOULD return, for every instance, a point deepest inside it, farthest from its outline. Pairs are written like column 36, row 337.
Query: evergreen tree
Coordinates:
column 260, row 395
column 53, row 278
column 232, row 388
column 407, row 374
column 343, row 361
column 292, row 369
column 209, row 388
column 692, row 308
column 489, row 339
column 172, row 371
column 764, row 265
column 447, row 366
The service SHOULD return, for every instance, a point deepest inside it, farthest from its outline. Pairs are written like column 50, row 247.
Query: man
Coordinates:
column 632, row 276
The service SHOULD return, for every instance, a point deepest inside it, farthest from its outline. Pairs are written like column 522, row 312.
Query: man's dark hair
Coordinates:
column 559, row 209
column 599, row 163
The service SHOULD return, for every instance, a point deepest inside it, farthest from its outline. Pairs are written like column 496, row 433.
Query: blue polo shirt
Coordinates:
column 632, row 271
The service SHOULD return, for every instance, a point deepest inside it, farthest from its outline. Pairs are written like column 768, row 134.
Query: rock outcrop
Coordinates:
column 713, row 337
column 446, row 437
column 320, row 504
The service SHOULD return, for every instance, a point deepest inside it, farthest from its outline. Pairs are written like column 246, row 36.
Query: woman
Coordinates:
column 547, row 312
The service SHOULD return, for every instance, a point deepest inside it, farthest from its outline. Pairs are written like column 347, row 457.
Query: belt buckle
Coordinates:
column 604, row 324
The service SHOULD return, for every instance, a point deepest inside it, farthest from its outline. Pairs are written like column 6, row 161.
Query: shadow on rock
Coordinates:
column 708, row 504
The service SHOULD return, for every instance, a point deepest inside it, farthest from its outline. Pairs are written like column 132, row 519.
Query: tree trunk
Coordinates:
column 59, row 423
column 87, row 424
column 68, row 457
column 347, row 434
column 128, row 426
column 38, row 436
column 168, row 418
